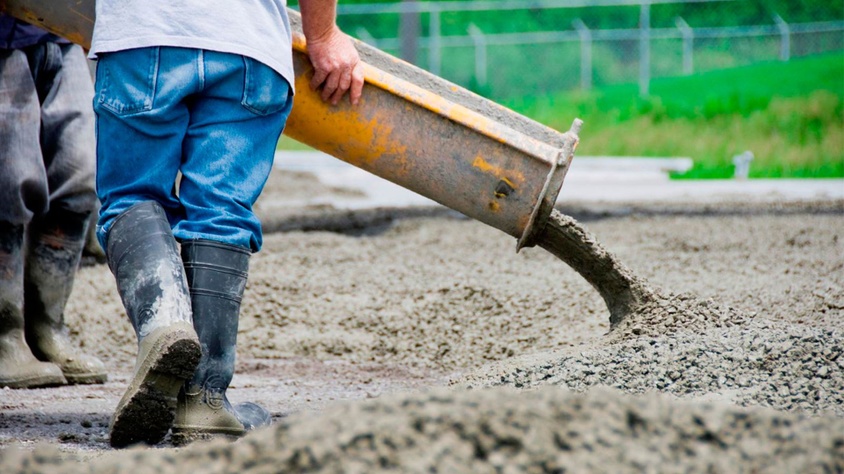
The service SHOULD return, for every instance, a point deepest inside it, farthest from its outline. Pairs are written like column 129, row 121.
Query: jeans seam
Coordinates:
column 154, row 78
column 53, row 57
column 53, row 64
column 247, row 86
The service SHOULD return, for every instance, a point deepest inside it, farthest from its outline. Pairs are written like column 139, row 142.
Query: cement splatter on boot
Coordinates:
column 150, row 279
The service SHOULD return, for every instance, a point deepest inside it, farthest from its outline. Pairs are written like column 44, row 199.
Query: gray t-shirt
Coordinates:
column 259, row 29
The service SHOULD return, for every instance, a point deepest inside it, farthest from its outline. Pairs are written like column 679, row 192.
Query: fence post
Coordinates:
column 585, row 53
column 434, row 51
column 688, row 45
column 364, row 35
column 409, row 27
column 480, row 53
column 785, row 33
column 644, row 48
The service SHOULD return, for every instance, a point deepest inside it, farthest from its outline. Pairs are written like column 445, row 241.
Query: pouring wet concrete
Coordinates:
column 343, row 335
column 622, row 291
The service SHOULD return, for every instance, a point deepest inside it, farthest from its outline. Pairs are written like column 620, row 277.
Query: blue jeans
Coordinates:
column 46, row 133
column 215, row 117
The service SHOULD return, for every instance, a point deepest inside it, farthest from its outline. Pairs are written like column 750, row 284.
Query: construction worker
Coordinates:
column 46, row 196
column 201, row 88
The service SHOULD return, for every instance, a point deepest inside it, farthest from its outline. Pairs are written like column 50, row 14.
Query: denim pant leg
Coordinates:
column 23, row 180
column 141, row 120
column 228, row 154
column 67, row 134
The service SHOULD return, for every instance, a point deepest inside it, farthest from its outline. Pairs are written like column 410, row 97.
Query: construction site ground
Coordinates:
column 391, row 333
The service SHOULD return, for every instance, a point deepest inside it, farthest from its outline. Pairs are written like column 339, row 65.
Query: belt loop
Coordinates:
column 201, row 68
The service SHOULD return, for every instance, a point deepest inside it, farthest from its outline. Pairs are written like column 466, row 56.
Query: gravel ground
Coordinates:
column 783, row 366
column 544, row 431
column 736, row 368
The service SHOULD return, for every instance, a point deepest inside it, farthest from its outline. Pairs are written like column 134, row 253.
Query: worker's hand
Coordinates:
column 337, row 66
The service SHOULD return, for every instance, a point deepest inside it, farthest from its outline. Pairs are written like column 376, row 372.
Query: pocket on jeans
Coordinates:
column 265, row 92
column 126, row 80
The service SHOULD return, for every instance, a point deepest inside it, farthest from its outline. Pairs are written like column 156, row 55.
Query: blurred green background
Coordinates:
column 741, row 94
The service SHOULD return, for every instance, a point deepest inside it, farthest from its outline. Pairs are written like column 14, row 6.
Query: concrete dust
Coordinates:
column 330, row 319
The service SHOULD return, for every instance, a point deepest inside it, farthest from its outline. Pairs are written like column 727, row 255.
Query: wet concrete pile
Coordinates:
column 500, row 430
column 704, row 346
column 664, row 313
column 755, row 359
column 762, row 363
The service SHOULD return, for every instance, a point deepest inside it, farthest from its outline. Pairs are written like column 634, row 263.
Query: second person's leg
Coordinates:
column 23, row 193
column 56, row 237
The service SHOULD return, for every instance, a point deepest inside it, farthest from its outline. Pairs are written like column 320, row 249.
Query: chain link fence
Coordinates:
column 506, row 48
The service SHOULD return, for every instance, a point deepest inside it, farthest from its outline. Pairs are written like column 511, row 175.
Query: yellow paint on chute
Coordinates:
column 501, row 173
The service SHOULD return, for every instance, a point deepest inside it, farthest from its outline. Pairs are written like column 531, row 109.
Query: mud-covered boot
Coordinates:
column 55, row 247
column 18, row 366
column 216, row 276
column 143, row 256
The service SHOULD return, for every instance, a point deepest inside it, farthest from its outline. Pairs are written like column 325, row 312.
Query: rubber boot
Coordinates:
column 143, row 256
column 216, row 276
column 92, row 248
column 55, row 247
column 18, row 366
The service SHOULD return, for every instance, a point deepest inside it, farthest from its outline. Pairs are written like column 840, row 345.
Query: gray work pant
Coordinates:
column 47, row 158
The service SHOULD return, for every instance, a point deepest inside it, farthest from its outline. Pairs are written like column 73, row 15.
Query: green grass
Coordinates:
column 790, row 115
column 287, row 143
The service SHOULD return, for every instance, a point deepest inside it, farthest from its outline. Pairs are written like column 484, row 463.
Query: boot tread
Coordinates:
column 147, row 409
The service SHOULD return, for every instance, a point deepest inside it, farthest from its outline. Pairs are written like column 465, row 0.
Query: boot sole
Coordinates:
column 185, row 436
column 147, row 409
column 85, row 379
column 34, row 382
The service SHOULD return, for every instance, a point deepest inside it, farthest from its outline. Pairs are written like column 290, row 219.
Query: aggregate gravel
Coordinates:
column 760, row 363
column 740, row 370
